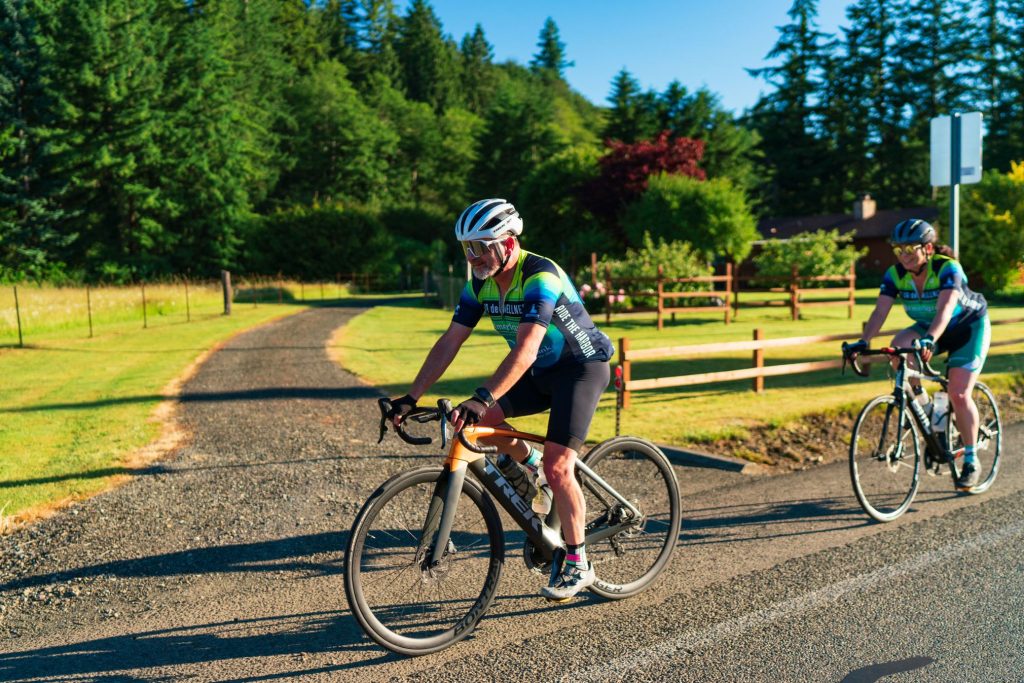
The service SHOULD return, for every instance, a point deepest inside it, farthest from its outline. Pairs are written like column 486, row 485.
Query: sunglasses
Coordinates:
column 477, row 248
column 908, row 249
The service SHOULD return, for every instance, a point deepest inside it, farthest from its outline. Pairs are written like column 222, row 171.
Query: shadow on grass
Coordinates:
column 268, row 394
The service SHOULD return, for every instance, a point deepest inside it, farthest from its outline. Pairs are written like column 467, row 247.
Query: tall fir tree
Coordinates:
column 550, row 58
column 998, row 42
column 788, row 119
column 479, row 79
column 634, row 114
column 428, row 59
column 30, row 237
column 107, row 76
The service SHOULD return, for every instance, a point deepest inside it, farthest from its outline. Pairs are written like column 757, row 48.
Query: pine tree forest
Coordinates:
column 146, row 138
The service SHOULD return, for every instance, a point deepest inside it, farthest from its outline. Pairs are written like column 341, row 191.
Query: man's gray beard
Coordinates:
column 484, row 272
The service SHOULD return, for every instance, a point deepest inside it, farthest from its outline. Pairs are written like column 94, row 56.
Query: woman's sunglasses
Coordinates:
column 901, row 249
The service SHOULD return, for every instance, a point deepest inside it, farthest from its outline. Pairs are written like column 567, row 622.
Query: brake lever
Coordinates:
column 385, row 412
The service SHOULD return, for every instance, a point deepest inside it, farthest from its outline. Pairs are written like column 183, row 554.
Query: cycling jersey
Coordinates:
column 943, row 273
column 541, row 293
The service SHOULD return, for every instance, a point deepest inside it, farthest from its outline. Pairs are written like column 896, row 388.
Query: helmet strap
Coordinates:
column 504, row 262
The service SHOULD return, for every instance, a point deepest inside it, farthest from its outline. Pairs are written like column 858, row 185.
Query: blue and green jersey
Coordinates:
column 542, row 294
column 943, row 273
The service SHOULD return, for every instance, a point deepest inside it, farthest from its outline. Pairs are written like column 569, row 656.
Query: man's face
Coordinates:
column 484, row 258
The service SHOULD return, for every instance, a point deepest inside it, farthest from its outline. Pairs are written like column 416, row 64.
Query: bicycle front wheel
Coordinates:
column 400, row 600
column 990, row 436
column 885, row 459
column 627, row 562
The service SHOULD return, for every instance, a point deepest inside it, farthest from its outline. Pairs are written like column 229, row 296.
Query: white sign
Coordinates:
column 970, row 149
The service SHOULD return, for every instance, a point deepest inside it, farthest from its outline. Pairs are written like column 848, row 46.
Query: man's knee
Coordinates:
column 559, row 463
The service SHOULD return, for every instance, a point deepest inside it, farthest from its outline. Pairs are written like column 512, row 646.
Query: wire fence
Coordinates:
column 38, row 311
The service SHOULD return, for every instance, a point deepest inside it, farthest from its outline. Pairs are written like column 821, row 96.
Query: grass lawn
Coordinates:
column 386, row 345
column 75, row 410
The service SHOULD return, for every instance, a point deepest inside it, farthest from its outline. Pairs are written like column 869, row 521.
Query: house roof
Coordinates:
column 877, row 226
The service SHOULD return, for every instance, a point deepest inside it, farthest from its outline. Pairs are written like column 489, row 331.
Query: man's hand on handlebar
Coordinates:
column 400, row 407
column 469, row 412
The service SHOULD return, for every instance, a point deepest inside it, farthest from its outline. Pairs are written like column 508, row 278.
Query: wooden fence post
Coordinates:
column 728, row 292
column 145, row 319
column 593, row 269
column 624, row 363
column 17, row 313
column 188, row 305
column 794, row 295
column 853, row 289
column 758, row 361
column 225, row 284
column 661, row 298
column 88, row 307
column 608, row 295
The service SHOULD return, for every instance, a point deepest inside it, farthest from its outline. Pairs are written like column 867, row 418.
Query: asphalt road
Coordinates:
column 223, row 563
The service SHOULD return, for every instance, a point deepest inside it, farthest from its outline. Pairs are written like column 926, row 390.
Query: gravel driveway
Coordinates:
column 282, row 450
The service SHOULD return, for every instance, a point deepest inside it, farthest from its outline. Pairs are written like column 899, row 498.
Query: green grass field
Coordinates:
column 73, row 408
column 386, row 346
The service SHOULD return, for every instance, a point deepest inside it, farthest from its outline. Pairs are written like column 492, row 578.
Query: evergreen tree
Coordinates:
column 516, row 137
column 342, row 148
column 478, row 76
column 633, row 115
column 998, row 43
column 376, row 31
column 107, row 74
column 336, row 27
column 788, row 118
column 427, row 58
column 550, row 59
column 29, row 214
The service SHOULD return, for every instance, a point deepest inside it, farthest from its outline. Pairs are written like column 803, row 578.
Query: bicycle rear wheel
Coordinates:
column 402, row 603
column 990, row 436
column 627, row 562
column 885, row 459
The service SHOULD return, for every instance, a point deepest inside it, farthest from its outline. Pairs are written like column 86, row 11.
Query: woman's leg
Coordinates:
column 961, row 386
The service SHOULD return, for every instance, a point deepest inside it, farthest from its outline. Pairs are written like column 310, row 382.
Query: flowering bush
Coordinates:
column 677, row 259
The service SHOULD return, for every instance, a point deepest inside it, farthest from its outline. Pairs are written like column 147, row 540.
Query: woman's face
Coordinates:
column 913, row 256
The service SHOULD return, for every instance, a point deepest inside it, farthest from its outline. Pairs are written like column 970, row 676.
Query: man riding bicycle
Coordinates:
column 948, row 317
column 558, row 360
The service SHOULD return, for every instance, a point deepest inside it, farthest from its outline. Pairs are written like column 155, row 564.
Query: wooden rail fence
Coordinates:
column 656, row 288
column 625, row 384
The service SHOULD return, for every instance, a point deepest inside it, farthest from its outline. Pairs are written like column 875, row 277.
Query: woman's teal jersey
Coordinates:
column 943, row 273
column 541, row 293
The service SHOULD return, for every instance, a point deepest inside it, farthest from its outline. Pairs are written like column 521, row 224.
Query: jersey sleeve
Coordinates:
column 952, row 276
column 889, row 287
column 469, row 309
column 541, row 290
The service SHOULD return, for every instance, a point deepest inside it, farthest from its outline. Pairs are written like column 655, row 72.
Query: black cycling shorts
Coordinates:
column 571, row 392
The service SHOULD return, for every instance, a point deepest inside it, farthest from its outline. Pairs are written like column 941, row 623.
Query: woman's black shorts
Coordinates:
column 571, row 392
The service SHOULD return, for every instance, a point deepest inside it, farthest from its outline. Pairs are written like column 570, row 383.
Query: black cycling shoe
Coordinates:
column 970, row 475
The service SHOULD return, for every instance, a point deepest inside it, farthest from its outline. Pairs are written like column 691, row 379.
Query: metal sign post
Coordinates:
column 955, row 161
column 954, row 185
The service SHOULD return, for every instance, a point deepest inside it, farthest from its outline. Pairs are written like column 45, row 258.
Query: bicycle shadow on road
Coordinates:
column 732, row 523
column 309, row 637
column 284, row 554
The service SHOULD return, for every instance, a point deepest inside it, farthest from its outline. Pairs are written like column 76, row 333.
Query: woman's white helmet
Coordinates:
column 488, row 220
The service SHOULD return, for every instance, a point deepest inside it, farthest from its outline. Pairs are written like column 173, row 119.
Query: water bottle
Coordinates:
column 940, row 411
column 542, row 500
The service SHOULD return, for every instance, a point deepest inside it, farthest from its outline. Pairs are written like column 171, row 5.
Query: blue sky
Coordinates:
column 697, row 42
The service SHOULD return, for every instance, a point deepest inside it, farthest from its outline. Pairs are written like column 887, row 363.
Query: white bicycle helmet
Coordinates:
column 488, row 220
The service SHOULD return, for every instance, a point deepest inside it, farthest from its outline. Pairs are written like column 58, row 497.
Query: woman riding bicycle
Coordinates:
column 948, row 317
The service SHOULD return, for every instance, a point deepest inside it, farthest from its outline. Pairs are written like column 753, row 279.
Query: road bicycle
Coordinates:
column 426, row 551
column 893, row 437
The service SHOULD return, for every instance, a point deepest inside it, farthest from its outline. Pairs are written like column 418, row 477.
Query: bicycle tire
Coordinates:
column 990, row 437
column 629, row 561
column 885, row 478
column 401, row 604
